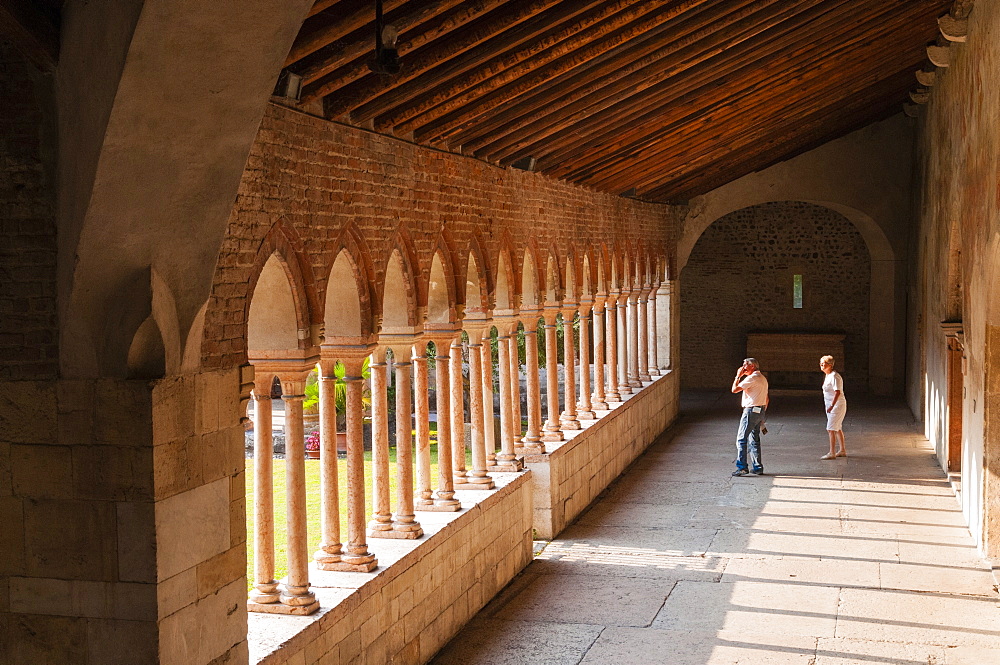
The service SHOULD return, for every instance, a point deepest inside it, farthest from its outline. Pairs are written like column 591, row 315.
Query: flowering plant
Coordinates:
column 312, row 441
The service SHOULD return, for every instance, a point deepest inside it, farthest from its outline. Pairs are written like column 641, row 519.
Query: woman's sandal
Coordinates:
column 828, row 456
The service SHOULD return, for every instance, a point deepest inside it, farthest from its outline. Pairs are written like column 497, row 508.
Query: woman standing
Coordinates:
column 836, row 408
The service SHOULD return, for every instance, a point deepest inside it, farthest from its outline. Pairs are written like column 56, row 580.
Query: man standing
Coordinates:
column 753, row 385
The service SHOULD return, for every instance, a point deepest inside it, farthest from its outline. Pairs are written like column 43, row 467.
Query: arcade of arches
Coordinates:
column 159, row 278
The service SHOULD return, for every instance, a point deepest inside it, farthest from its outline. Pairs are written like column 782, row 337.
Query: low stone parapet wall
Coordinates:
column 422, row 594
column 572, row 473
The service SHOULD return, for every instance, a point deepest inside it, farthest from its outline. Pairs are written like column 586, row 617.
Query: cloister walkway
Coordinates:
column 859, row 560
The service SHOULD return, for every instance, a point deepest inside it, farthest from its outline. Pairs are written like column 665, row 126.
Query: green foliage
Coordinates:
column 340, row 390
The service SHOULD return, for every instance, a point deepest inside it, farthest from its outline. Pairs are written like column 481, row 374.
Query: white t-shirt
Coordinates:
column 754, row 390
column 831, row 384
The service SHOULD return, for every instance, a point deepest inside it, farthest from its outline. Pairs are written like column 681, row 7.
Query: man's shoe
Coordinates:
column 757, row 472
column 740, row 472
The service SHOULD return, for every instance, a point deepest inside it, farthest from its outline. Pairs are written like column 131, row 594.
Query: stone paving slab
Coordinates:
column 752, row 607
column 585, row 599
column 863, row 560
column 638, row 646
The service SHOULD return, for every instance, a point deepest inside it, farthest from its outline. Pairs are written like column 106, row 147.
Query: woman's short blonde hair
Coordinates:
column 827, row 359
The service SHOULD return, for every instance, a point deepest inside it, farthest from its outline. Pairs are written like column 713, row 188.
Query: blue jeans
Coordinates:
column 750, row 430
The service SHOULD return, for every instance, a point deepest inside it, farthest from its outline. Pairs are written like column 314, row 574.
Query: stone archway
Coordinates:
column 885, row 325
column 788, row 266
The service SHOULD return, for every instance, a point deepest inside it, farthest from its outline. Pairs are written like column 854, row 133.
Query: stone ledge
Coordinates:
column 399, row 604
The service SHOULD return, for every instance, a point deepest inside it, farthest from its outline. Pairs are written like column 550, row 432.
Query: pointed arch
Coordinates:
column 282, row 245
column 504, row 296
column 401, row 291
column 273, row 323
column 485, row 272
column 553, row 284
column 588, row 276
column 348, row 312
column 442, row 294
column 531, row 285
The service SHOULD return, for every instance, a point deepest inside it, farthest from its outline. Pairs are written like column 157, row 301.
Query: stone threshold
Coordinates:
column 275, row 638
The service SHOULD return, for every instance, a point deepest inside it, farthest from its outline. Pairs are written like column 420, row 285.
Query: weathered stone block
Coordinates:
column 192, row 527
column 26, row 409
column 221, row 570
column 41, row 471
column 123, row 413
column 113, row 473
column 37, row 639
column 70, row 539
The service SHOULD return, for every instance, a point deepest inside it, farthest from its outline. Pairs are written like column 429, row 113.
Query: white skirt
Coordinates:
column 835, row 418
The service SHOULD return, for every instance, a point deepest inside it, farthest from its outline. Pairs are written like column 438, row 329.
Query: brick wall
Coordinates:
column 336, row 186
column 28, row 335
column 739, row 279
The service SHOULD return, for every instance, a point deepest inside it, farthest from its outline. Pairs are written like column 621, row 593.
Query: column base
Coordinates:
column 612, row 397
column 265, row 596
column 552, row 436
column 375, row 526
column 570, row 423
column 645, row 378
column 506, row 466
column 586, row 415
column 441, row 507
column 345, row 567
column 397, row 535
column 598, row 405
column 413, row 529
column 324, row 557
column 634, row 383
column 281, row 608
column 473, row 483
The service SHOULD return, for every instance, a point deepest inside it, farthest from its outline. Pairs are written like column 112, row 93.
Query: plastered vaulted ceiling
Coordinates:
column 659, row 99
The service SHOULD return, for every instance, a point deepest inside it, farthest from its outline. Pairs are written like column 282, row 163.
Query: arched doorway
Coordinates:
column 789, row 267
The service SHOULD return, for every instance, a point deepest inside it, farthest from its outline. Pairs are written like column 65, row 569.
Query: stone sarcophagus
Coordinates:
column 791, row 359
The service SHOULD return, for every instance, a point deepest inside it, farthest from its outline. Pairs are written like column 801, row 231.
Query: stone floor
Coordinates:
column 857, row 560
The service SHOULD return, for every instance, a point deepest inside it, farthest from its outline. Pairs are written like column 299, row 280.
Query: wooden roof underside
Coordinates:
column 660, row 99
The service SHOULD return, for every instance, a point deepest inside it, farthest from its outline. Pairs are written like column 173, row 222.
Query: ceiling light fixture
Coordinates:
column 386, row 60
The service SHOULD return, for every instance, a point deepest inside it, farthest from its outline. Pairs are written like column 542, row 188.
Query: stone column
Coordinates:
column 405, row 525
column 551, row 429
column 357, row 554
column 532, row 442
column 515, row 387
column 330, row 547
column 380, row 525
column 265, row 589
column 459, row 475
column 568, row 419
column 506, row 460
column 295, row 591
column 585, row 411
column 653, row 342
column 478, row 478
column 444, row 497
column 621, row 363
column 633, row 341
column 597, row 400
column 423, row 496
column 489, row 432
column 611, row 393
column 643, row 327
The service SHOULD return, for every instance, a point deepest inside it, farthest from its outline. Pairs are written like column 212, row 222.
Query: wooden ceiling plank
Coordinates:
column 601, row 19
column 416, row 27
column 470, row 35
column 744, row 115
column 718, row 133
column 594, row 76
column 31, row 31
column 604, row 93
column 523, row 42
column 713, row 79
column 829, row 124
column 628, row 143
column 536, row 78
column 321, row 29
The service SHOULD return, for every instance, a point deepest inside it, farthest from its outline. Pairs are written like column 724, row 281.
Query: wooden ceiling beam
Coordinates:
column 321, row 29
column 356, row 48
column 805, row 51
column 548, row 103
column 31, row 31
column 434, row 130
column 709, row 41
column 828, row 124
column 702, row 86
column 719, row 134
column 490, row 71
column 470, row 35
